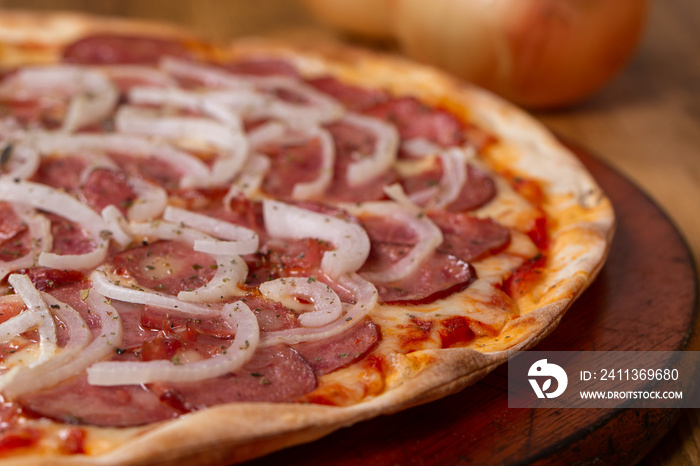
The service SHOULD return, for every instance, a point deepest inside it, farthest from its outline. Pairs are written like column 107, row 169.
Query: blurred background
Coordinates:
column 638, row 110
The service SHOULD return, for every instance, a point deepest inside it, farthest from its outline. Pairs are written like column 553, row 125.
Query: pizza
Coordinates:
column 210, row 252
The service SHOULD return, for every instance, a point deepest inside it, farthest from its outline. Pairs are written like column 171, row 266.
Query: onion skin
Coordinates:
column 536, row 53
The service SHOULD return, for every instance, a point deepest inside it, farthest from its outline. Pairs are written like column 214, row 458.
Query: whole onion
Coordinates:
column 536, row 53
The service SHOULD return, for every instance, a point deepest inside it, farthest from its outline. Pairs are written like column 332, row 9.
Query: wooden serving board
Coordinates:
column 645, row 299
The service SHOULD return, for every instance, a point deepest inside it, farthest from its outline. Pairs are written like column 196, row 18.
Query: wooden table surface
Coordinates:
column 645, row 123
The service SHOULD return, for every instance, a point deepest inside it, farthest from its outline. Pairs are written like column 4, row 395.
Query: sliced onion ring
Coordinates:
column 428, row 238
column 117, row 225
column 52, row 371
column 274, row 132
column 383, row 155
column 249, row 180
column 113, row 286
column 92, row 95
column 454, row 176
column 188, row 100
column 131, row 145
column 146, row 75
column 231, row 145
column 230, row 271
column 110, row 338
column 350, row 240
column 365, row 299
column 151, row 200
column 36, row 306
column 215, row 227
column 63, row 204
column 23, row 159
column 315, row 106
column 241, row 350
column 326, row 303
column 316, row 188
column 41, row 239
column 207, row 75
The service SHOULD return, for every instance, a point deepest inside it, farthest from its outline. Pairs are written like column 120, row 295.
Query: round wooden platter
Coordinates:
column 645, row 299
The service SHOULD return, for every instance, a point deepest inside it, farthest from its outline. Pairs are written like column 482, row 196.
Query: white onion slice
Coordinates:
column 222, row 229
column 349, row 239
column 210, row 76
column 317, row 187
column 92, row 95
column 428, row 237
column 274, row 132
column 110, row 338
column 17, row 325
column 365, row 298
column 230, row 271
column 11, row 129
column 40, row 232
column 23, row 160
column 249, row 180
column 454, row 175
column 266, row 133
column 150, row 203
column 420, row 147
column 119, row 288
column 384, row 154
column 24, row 287
column 149, row 122
column 188, row 100
column 231, row 145
column 317, row 107
column 227, row 248
column 63, row 204
column 241, row 350
column 144, row 75
column 94, row 161
column 117, row 225
column 326, row 306
column 125, row 144
column 396, row 193
column 50, row 372
column 161, row 229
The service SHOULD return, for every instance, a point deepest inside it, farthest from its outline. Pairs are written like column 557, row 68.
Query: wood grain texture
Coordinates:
column 646, row 123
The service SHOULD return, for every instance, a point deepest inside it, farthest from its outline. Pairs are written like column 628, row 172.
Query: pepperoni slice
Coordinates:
column 469, row 237
column 14, row 234
column 166, row 266
column 76, row 401
column 60, row 172
column 291, row 164
column 285, row 258
column 263, row 68
column 353, row 97
column 477, row 191
column 105, row 187
column 68, row 237
column 340, row 350
column 439, row 274
column 277, row 374
column 105, row 49
column 350, row 140
column 414, row 119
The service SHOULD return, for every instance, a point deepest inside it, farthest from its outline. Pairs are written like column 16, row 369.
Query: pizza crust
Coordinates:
column 582, row 214
column 37, row 38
